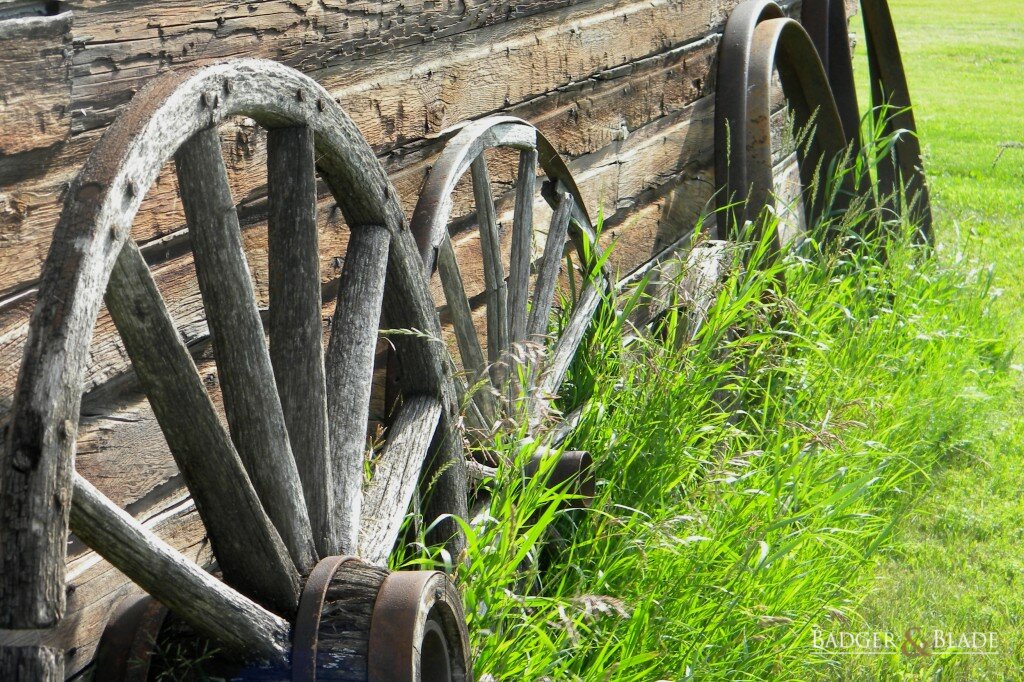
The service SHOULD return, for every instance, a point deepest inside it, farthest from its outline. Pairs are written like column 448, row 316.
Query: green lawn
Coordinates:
column 958, row 561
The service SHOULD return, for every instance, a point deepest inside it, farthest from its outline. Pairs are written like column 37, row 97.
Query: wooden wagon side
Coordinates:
column 623, row 90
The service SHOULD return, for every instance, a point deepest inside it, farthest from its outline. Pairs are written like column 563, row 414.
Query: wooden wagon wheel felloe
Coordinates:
column 519, row 291
column 283, row 486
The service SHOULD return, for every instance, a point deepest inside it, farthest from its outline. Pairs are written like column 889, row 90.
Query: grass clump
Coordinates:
column 745, row 480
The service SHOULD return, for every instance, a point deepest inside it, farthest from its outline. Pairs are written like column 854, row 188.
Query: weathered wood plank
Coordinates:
column 35, row 93
column 350, row 356
column 236, row 521
column 126, row 42
column 204, row 602
column 35, row 663
column 253, row 407
column 295, row 322
column 629, row 33
column 583, row 120
column 496, row 292
column 396, row 475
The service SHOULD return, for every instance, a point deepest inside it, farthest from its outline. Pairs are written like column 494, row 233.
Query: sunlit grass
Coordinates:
column 747, row 481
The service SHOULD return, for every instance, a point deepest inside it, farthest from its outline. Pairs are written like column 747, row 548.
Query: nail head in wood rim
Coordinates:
column 418, row 630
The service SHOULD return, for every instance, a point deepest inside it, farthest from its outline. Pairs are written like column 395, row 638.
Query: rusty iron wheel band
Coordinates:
column 307, row 619
column 418, row 622
column 125, row 651
column 826, row 83
column 576, row 466
column 731, row 116
column 762, row 45
column 889, row 87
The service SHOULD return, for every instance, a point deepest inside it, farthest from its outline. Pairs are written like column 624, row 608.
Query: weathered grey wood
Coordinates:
column 470, row 352
column 567, row 344
column 350, row 355
column 444, row 486
column 253, row 407
column 95, row 587
column 522, row 246
column 396, row 474
column 295, row 323
column 31, row 664
column 477, row 472
column 494, row 275
column 691, row 281
column 343, row 638
column 208, row 605
column 547, row 275
column 248, row 547
column 35, row 468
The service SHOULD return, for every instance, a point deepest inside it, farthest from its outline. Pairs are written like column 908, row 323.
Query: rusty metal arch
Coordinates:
column 759, row 43
column 825, row 26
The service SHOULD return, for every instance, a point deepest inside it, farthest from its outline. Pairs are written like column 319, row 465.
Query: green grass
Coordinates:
column 957, row 563
column 838, row 451
column 747, row 481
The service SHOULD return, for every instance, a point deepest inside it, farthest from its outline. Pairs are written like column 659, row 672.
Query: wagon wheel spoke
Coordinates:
column 566, row 347
column 251, row 402
column 494, row 273
column 350, row 356
column 223, row 493
column 522, row 245
column 295, row 321
column 207, row 604
column 547, row 271
column 473, row 363
column 396, row 476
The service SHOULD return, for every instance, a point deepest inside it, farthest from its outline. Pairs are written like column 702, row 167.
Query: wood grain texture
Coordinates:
column 295, row 324
column 239, row 527
column 522, row 246
column 35, row 93
column 547, row 275
column 36, row 663
column 396, row 474
column 496, row 293
column 344, row 633
column 207, row 604
column 350, row 357
column 95, row 587
column 101, row 203
column 251, row 402
column 628, row 33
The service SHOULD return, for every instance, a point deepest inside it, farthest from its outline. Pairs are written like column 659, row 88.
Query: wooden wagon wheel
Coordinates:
column 283, row 488
column 518, row 304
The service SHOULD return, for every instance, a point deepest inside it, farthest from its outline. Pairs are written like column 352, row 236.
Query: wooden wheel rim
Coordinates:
column 92, row 241
column 464, row 153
